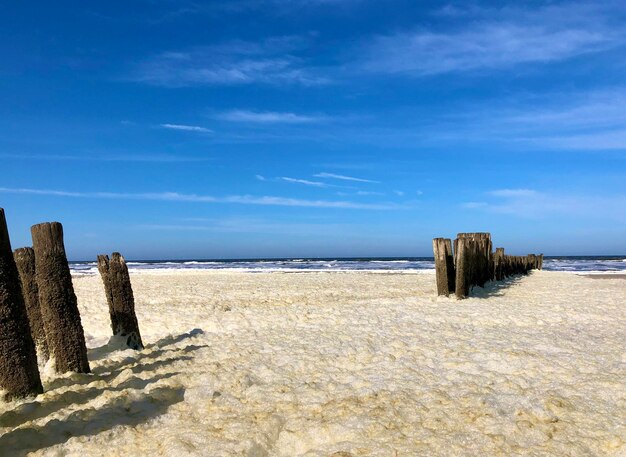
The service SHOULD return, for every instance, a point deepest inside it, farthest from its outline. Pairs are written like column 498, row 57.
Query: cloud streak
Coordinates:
column 579, row 121
column 157, row 158
column 495, row 39
column 344, row 177
column 195, row 198
column 268, row 117
column 186, row 128
column 528, row 203
column 306, row 182
column 273, row 61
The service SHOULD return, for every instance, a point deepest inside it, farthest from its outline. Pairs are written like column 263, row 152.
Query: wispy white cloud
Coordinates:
column 268, row 117
column 597, row 141
column 474, row 205
column 604, row 108
column 528, row 203
column 578, row 121
column 399, row 193
column 194, row 198
column 583, row 121
column 513, row 193
column 260, row 177
column 303, row 181
column 343, row 177
column 496, row 38
column 186, row 128
column 273, row 61
column 244, row 225
column 165, row 158
column 361, row 193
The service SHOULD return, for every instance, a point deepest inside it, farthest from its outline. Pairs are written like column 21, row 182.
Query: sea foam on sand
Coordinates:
column 361, row 364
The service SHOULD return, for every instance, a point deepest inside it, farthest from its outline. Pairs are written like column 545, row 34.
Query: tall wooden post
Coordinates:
column 25, row 262
column 540, row 262
column 444, row 266
column 19, row 374
column 59, row 308
column 119, row 293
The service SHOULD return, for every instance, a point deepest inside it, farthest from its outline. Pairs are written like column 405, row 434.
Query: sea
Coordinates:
column 586, row 264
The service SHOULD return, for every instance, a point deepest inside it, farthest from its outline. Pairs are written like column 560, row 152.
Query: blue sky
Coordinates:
column 253, row 128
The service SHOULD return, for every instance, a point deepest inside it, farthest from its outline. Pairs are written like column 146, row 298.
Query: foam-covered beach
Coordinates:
column 340, row 363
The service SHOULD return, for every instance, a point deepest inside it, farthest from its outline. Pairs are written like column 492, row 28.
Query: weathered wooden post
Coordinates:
column 508, row 266
column 119, row 293
column 19, row 374
column 25, row 262
column 540, row 262
column 481, row 257
column 463, row 255
column 444, row 265
column 498, row 262
column 59, row 308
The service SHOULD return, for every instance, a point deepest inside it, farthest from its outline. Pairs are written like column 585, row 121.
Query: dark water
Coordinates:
column 565, row 263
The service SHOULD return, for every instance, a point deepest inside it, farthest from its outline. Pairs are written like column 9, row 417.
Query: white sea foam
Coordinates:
column 314, row 364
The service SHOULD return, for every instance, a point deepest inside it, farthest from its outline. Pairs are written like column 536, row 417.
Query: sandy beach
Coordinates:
column 343, row 364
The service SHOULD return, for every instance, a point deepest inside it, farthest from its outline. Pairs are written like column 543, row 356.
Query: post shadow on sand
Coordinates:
column 88, row 422
column 140, row 361
column 129, row 361
column 91, row 421
column 170, row 340
column 496, row 288
column 34, row 410
column 103, row 351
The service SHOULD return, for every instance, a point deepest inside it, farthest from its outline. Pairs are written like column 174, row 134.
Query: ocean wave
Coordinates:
column 568, row 264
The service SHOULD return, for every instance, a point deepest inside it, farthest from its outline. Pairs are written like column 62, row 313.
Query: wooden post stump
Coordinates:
column 59, row 308
column 19, row 374
column 25, row 262
column 119, row 293
column 444, row 266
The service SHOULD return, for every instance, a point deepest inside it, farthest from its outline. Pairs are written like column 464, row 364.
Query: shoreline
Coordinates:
column 605, row 275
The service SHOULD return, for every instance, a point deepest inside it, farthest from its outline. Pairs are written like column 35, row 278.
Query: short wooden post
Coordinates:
column 540, row 262
column 119, row 293
column 19, row 374
column 25, row 262
column 59, row 308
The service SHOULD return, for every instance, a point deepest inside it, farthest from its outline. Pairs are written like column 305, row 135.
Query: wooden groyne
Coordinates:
column 474, row 263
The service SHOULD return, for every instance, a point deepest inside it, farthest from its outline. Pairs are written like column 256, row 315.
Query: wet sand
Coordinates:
column 606, row 276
